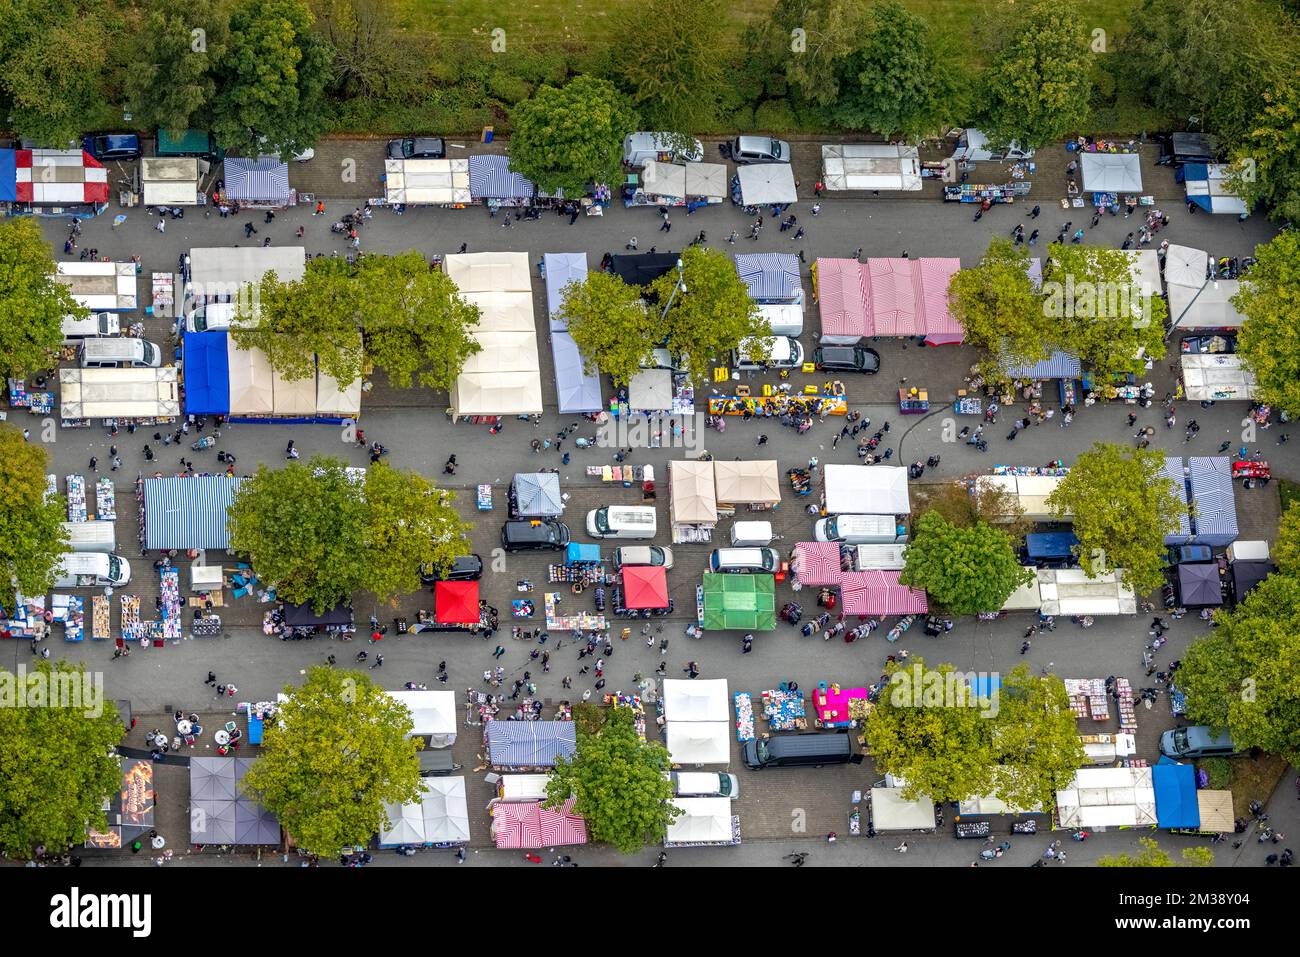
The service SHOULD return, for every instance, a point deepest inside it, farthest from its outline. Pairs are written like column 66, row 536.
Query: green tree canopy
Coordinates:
column 1152, row 855
column 32, row 302
column 1111, row 323
column 1035, row 740
column 373, row 56
column 966, row 508
column 964, row 570
column 337, row 753
column 31, row 532
column 1286, row 549
column 1123, row 508
column 417, row 327
column 1038, row 87
column 1270, row 300
column 1242, row 675
column 899, row 81
column 708, row 319
column 572, row 136
column 621, row 783
column 1001, row 311
column 610, row 324
column 57, row 759
column 1267, row 165
column 799, row 46
column 271, row 82
column 173, row 79
column 320, row 537
column 673, row 72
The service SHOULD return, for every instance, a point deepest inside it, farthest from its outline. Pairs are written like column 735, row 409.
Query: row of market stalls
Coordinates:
column 52, row 182
column 875, row 592
column 481, row 178
column 677, row 184
column 886, row 297
column 576, row 389
column 223, row 379
column 874, row 166
column 1163, row 796
column 100, row 286
column 504, row 377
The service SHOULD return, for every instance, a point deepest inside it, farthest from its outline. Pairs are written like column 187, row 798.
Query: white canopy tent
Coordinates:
column 703, row 821
column 871, row 166
column 867, row 490
column 576, row 390
column 1069, row 591
column 1025, row 598
column 1111, row 172
column 427, row 182
column 100, row 286
column 561, row 270
column 170, row 180
column 1196, row 301
column 252, row 383
column 664, row 179
column 434, row 714
column 295, row 397
column 441, row 816
column 890, row 811
column 1211, row 377
column 1030, row 492
column 217, row 269
column 1209, row 187
column 763, row 184
column 699, row 742
column 1108, row 797
column 118, row 393
column 747, row 482
column 686, row 700
column 693, row 500
column 650, row 390
column 707, row 180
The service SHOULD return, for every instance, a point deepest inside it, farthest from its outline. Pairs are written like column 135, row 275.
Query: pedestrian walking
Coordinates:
column 817, row 190
column 858, row 254
column 211, row 679
column 94, row 464
column 902, row 848
column 27, row 434
column 249, row 229
column 816, row 208
column 289, row 451
column 1033, row 213
column 666, row 225
column 319, row 210
column 450, row 467
column 762, row 440
column 379, row 662
column 1024, row 647
column 499, row 652
column 798, row 234
column 732, row 238
column 117, row 462
column 747, row 644
column 631, row 244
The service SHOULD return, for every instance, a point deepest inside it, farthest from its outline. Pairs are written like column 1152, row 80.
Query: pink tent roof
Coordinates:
column 645, row 586
column 878, row 593
column 895, row 293
column 817, row 563
column 941, row 327
column 842, row 297
column 530, row 825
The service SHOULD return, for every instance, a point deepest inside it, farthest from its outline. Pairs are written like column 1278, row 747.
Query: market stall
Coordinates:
column 252, row 390
column 1198, row 300
column 130, row 810
column 698, row 700
column 188, row 512
column 874, row 166
column 1209, row 378
column 439, row 818
column 698, row 742
column 1209, row 187
column 67, row 180
column 1200, row 585
column 1177, row 475
column 219, row 273
column 456, row 603
column 838, row 707
column 1062, row 367
column 1246, row 575
column 536, row 495
column 1107, row 797
column 122, row 394
column 561, row 270
column 1069, row 591
column 433, row 715
column 527, row 824
column 220, row 811
column 865, row 490
column 764, row 184
column 650, row 391
column 817, row 564
column 427, row 182
column 206, row 371
column 100, row 286
column 878, row 593
column 1174, row 787
column 334, row 401
column 261, row 183
column 890, row 811
column 1210, row 493
column 840, row 291
column 909, row 298
column 293, row 398
column 643, row 587
column 641, row 269
column 771, row 278
column 529, row 744
column 1028, row 597
column 304, row 616
column 783, row 710
column 1215, row 811
column 739, row 602
column 170, row 181
column 1111, row 172
column 493, row 181
column 692, row 503
column 703, row 822
column 747, row 482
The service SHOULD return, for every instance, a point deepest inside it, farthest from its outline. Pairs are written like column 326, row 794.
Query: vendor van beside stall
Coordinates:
column 91, row 570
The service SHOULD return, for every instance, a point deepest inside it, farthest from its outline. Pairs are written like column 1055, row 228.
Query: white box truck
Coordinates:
column 91, row 536
column 118, row 393
column 91, row 570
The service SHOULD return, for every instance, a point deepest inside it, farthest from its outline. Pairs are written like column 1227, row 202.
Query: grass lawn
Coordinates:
column 1289, row 492
column 1254, row 779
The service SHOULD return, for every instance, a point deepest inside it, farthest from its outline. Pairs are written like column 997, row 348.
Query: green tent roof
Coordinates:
column 739, row 602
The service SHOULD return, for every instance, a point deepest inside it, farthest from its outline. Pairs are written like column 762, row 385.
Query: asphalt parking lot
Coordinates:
column 413, row 424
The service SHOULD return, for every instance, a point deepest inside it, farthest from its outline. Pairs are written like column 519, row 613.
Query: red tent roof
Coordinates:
column 456, row 603
column 645, row 586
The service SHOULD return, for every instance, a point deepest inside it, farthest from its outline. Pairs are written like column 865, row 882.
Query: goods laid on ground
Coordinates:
column 744, row 716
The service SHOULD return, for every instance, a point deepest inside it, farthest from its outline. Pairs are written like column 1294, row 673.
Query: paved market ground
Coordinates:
column 414, row 426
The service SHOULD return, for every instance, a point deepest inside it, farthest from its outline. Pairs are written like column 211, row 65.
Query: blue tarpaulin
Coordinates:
column 1215, row 522
column 490, row 177
column 1050, row 544
column 185, row 513
column 1175, row 787
column 582, row 552
column 8, row 177
column 207, row 374
column 530, row 744
column 770, row 277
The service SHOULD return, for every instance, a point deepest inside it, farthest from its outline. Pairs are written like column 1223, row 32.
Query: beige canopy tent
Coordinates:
column 252, row 383
column 170, row 180
column 427, row 182
column 294, row 397
column 333, row 399
column 1216, row 811
column 118, row 393
column 694, row 501
column 747, row 483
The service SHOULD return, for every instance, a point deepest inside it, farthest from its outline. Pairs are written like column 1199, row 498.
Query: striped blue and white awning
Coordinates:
column 1215, row 521
column 1173, row 471
column 1059, row 365
column 185, row 513
column 771, row 277
column 264, row 180
column 490, row 177
column 530, row 744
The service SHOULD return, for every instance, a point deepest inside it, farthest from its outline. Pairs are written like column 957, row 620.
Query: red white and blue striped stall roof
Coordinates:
column 530, row 744
column 878, row 593
column 262, row 180
column 1215, row 521
column 55, row 177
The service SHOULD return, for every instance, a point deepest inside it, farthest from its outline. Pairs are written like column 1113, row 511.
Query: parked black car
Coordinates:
column 111, row 147
column 535, row 535
column 417, row 147
column 466, row 568
column 847, row 359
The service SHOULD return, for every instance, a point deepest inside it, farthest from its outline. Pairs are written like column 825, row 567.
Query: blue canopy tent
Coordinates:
column 1059, row 365
column 576, row 390
column 207, row 374
column 561, row 269
column 579, row 552
column 1210, row 480
column 1175, row 788
column 770, row 277
column 1173, row 471
column 8, row 176
column 490, row 177
column 185, row 513
column 260, row 182
column 530, row 744
column 1208, row 187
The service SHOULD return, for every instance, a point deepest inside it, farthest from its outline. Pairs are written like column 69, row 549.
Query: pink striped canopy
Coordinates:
column 941, row 326
column 878, row 593
column 528, row 824
column 817, row 563
column 842, row 297
column 895, row 292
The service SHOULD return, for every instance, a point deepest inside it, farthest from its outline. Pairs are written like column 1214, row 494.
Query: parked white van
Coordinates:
column 622, row 521
column 745, row 560
column 784, row 318
column 859, row 529
column 211, row 317
column 117, row 352
column 91, row 570
column 94, row 325
column 783, row 352
column 705, row 784
column 642, row 148
column 91, row 536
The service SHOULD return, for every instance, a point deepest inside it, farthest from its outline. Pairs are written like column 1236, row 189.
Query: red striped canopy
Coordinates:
column 817, row 563
column 645, row 586
column 456, row 603
column 59, row 177
column 878, row 593
column 941, row 326
column 894, row 296
column 842, row 297
column 528, row 824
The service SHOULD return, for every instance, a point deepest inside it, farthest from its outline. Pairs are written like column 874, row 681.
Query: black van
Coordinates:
column 537, row 535
column 799, row 750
